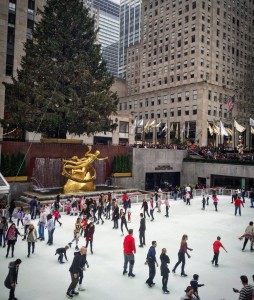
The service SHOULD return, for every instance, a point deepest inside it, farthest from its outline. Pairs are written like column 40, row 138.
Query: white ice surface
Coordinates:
column 42, row 277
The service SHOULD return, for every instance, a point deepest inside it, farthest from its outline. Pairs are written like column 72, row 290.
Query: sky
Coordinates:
column 42, row 277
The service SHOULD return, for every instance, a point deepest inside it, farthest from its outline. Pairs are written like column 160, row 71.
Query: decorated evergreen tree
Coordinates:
column 63, row 84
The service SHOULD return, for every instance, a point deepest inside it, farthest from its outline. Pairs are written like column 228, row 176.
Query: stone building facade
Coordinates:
column 17, row 20
column 192, row 57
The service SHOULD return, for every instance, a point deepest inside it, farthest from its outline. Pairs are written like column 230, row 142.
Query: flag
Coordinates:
column 140, row 123
column 176, row 132
column 146, row 126
column 183, row 128
column 165, row 128
column 151, row 124
column 251, row 122
column 135, row 122
column 222, row 129
column 216, row 129
column 238, row 127
column 210, row 128
column 252, row 130
column 229, row 131
column 231, row 103
column 188, row 130
column 158, row 125
column 171, row 127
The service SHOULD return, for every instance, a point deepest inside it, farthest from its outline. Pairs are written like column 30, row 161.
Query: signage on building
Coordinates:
column 163, row 167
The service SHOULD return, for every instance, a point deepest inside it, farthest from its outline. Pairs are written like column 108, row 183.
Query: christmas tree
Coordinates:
column 63, row 84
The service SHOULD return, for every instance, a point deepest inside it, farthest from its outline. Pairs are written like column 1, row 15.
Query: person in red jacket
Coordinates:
column 129, row 249
column 216, row 249
column 238, row 203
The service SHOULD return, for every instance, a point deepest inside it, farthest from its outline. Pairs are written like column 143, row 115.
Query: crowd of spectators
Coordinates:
column 205, row 152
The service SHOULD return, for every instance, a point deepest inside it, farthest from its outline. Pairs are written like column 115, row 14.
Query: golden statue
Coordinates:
column 80, row 173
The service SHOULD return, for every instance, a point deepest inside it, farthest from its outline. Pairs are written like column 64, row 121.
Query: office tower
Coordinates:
column 17, row 20
column 130, row 18
column 107, row 19
column 192, row 57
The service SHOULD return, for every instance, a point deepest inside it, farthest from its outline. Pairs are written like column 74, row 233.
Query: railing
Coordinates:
column 138, row 197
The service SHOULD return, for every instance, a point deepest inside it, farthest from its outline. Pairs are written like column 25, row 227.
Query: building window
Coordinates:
column 187, row 96
column 179, row 111
column 172, row 113
column 187, row 111
column 194, row 109
column 195, row 95
column 209, row 95
column 123, row 127
column 179, row 97
column 165, row 113
column 172, row 98
column 209, row 110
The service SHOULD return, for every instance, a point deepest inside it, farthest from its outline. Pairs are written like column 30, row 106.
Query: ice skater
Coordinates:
column 151, row 208
column 195, row 285
column 83, row 265
column 142, row 229
column 164, row 270
column 31, row 239
column 11, row 238
column 89, row 235
column 216, row 249
column 203, row 203
column 76, row 232
column 238, row 203
column 123, row 221
column 145, row 208
column 12, row 278
column 181, row 255
column 62, row 253
column 166, row 202
column 151, row 262
column 248, row 235
column 129, row 249
column 215, row 201
column 3, row 230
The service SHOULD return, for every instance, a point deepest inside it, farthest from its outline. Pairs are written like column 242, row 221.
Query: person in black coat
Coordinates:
column 11, row 208
column 62, row 253
column 142, row 229
column 145, row 208
column 74, row 271
column 116, row 215
column 164, row 270
column 83, row 265
column 12, row 277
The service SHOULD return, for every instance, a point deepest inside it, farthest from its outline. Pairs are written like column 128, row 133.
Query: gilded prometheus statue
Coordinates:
column 80, row 173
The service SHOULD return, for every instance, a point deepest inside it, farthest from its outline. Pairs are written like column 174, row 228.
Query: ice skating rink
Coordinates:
column 42, row 277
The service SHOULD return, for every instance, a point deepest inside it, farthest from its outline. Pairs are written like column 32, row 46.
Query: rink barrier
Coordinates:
column 138, row 197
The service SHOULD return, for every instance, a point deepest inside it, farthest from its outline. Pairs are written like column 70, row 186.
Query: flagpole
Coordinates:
column 143, row 133
column 155, row 129
column 167, row 132
column 234, row 134
column 249, row 136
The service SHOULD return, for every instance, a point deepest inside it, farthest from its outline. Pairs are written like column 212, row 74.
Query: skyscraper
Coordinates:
column 107, row 17
column 130, row 18
column 17, row 20
column 192, row 57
